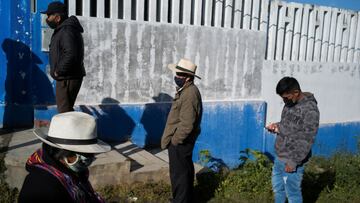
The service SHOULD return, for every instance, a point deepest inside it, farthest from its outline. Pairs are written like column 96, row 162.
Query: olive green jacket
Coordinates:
column 183, row 122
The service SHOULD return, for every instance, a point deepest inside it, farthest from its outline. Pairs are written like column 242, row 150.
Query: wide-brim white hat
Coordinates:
column 184, row 66
column 73, row 131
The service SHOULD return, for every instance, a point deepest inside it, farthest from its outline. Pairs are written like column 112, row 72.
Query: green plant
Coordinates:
column 250, row 182
column 7, row 194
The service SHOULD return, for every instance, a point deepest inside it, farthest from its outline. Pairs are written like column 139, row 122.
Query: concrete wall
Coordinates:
column 334, row 85
column 127, row 61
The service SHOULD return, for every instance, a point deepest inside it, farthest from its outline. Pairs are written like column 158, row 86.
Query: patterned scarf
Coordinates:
column 79, row 191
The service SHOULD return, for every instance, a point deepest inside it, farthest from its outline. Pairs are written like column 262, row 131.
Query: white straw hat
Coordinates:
column 73, row 131
column 184, row 66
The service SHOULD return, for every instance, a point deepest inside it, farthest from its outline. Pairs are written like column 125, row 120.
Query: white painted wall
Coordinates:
column 335, row 86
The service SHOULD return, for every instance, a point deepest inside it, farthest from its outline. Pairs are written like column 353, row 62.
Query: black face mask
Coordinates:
column 289, row 102
column 51, row 24
column 179, row 81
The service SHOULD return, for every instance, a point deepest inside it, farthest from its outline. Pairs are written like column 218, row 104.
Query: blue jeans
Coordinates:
column 286, row 184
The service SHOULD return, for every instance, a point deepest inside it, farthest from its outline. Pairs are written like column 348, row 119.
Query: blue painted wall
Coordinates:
column 23, row 82
column 228, row 127
column 347, row 4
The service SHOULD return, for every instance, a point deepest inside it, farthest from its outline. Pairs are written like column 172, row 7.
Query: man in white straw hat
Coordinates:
column 58, row 172
column 181, row 130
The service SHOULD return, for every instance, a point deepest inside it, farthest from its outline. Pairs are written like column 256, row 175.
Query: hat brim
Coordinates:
column 99, row 147
column 45, row 12
column 173, row 68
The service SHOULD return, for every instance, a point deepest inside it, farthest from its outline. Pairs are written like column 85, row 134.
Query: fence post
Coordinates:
column 272, row 30
column 255, row 15
column 127, row 9
column 326, row 36
column 228, row 13
column 86, row 8
column 353, row 28
column 164, row 11
column 357, row 41
column 175, row 9
column 72, row 7
column 197, row 12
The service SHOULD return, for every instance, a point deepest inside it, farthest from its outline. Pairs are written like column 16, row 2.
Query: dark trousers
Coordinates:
column 66, row 93
column 181, row 172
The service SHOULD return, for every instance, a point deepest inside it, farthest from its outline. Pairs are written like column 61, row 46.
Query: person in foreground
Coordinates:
column 296, row 133
column 182, row 129
column 58, row 172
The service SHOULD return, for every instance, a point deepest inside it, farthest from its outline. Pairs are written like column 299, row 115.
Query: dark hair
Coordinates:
column 56, row 153
column 286, row 85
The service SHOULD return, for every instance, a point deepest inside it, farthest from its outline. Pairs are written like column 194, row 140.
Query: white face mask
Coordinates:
column 81, row 163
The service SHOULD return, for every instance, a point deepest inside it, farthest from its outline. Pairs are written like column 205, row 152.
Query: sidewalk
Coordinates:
column 125, row 163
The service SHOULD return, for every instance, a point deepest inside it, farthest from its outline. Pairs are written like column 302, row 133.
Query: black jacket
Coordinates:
column 67, row 50
column 41, row 186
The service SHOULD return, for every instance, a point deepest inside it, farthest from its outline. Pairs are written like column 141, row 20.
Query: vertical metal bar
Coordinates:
column 140, row 10
column 175, row 11
column 339, row 34
column 357, row 41
column 296, row 35
column 238, row 14
column 100, row 8
column 326, row 36
column 311, row 35
column 333, row 23
column 346, row 37
column 164, row 11
column 72, row 7
column 280, row 32
column 127, row 9
column 86, row 8
column 187, row 12
column 353, row 27
column 218, row 13
column 289, row 31
column 247, row 15
column 228, row 13
column 272, row 30
column 318, row 33
column 255, row 15
column 264, row 15
column 197, row 12
column 304, row 33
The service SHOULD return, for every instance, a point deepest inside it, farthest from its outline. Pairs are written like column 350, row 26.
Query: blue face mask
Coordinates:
column 179, row 81
column 81, row 163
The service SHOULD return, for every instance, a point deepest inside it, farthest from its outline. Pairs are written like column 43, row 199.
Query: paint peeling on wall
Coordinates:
column 128, row 60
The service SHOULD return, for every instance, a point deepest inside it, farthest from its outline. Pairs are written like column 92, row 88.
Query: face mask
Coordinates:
column 81, row 163
column 289, row 102
column 51, row 24
column 179, row 81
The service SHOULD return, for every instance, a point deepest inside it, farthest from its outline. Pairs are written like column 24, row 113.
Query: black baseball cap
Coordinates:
column 55, row 7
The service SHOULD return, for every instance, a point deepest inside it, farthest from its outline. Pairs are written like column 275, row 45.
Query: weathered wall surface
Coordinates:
column 127, row 61
column 335, row 86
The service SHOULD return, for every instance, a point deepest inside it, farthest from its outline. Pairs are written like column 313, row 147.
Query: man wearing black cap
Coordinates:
column 66, row 55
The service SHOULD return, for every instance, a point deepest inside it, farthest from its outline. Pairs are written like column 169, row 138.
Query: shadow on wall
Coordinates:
column 154, row 119
column 113, row 123
column 26, row 85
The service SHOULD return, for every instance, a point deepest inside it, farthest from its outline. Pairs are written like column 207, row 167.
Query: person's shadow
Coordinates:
column 26, row 85
column 114, row 125
column 154, row 119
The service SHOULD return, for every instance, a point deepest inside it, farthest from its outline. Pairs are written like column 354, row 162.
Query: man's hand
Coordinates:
column 289, row 169
column 55, row 73
column 273, row 127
